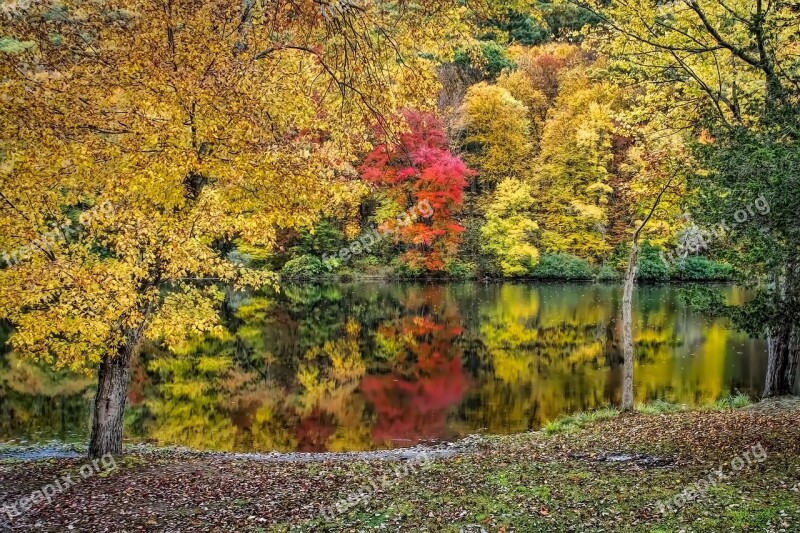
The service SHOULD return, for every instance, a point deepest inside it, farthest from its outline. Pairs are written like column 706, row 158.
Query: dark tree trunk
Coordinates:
column 784, row 338
column 782, row 362
column 109, row 402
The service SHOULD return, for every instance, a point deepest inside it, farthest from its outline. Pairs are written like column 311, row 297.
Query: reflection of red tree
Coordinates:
column 313, row 431
column 412, row 402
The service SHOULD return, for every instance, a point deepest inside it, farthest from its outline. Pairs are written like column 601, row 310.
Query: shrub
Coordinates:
column 696, row 268
column 403, row 270
column 369, row 265
column 257, row 256
column 651, row 266
column 303, row 267
column 363, row 263
column 562, row 266
column 325, row 239
column 460, row 269
column 608, row 273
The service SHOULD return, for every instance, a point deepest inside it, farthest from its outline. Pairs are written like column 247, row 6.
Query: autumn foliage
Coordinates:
column 418, row 167
column 426, row 379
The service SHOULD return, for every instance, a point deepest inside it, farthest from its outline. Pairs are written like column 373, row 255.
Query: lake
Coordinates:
column 366, row 366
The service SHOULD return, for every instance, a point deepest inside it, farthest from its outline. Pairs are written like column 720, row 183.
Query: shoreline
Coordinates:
column 608, row 474
column 55, row 449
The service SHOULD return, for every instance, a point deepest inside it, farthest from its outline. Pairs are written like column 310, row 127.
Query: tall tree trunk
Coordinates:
column 627, row 303
column 109, row 402
column 784, row 338
column 627, row 326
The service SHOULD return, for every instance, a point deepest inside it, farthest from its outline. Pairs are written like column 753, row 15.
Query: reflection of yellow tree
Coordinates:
column 204, row 400
column 27, row 377
column 563, row 355
column 189, row 407
column 246, row 389
column 547, row 350
column 550, row 349
column 507, row 330
column 329, row 368
column 686, row 373
column 270, row 429
column 37, row 399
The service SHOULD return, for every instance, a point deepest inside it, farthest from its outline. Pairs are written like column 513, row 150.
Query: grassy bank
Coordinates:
column 598, row 472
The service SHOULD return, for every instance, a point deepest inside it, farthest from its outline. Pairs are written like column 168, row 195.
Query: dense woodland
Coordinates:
column 154, row 154
column 552, row 184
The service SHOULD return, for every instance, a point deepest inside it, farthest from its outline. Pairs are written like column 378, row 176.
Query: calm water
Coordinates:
column 380, row 365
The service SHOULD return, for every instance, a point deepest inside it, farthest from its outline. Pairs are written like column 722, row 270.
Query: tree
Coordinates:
column 508, row 228
column 141, row 142
column 486, row 58
column 495, row 133
column 424, row 183
column 757, row 172
column 730, row 68
column 521, row 88
column 575, row 167
column 627, row 298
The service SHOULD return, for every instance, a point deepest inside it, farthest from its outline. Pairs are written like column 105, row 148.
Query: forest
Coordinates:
column 345, row 225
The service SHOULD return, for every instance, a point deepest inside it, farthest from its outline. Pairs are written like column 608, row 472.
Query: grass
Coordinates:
column 578, row 421
column 732, row 402
column 659, row 407
column 573, row 423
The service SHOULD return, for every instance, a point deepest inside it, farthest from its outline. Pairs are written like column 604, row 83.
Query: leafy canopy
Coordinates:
column 202, row 124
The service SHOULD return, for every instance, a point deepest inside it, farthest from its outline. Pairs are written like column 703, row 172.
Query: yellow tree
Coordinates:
column 495, row 130
column 521, row 88
column 507, row 233
column 141, row 140
column 539, row 76
column 575, row 167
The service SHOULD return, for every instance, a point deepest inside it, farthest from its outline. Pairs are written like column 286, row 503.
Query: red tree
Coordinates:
column 418, row 169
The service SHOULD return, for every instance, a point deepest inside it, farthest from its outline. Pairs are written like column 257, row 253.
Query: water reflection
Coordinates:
column 364, row 366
